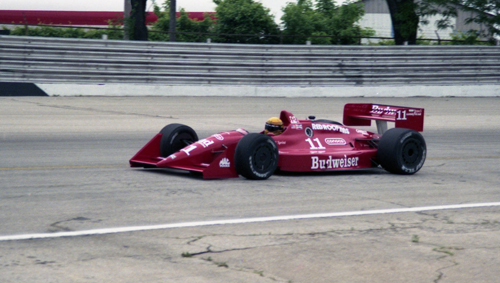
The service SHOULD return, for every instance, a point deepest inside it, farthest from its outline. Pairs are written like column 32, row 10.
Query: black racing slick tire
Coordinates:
column 175, row 137
column 256, row 156
column 401, row 151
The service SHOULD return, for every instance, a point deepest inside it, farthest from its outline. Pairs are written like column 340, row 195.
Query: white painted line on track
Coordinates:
column 240, row 221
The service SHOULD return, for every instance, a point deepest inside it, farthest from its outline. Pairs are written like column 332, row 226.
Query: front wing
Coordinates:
column 212, row 164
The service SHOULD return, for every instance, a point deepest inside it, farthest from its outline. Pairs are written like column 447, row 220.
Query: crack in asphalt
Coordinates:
column 208, row 250
column 57, row 227
column 445, row 252
column 441, row 273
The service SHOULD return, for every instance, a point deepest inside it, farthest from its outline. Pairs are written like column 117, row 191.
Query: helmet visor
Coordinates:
column 272, row 128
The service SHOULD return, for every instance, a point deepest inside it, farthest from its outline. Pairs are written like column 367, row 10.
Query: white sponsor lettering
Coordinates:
column 312, row 144
column 330, row 127
column 224, row 163
column 219, row 137
column 414, row 112
column 333, row 163
column 188, row 149
column 401, row 115
column 376, row 109
column 335, row 141
column 205, row 143
column 365, row 133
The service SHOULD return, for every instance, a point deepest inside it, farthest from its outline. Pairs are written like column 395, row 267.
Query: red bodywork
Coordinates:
column 304, row 145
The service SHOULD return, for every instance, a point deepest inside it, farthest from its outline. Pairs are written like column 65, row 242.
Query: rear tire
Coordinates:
column 175, row 137
column 401, row 151
column 256, row 156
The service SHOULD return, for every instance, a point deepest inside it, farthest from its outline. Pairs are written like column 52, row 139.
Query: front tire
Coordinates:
column 175, row 137
column 256, row 156
column 401, row 151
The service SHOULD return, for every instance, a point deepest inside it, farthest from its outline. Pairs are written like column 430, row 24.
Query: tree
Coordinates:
column 323, row 23
column 325, row 7
column 483, row 12
column 299, row 22
column 192, row 30
column 244, row 21
column 489, row 14
column 405, row 20
column 187, row 30
column 343, row 24
column 407, row 14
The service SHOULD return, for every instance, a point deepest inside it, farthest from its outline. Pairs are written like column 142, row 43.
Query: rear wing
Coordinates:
column 361, row 114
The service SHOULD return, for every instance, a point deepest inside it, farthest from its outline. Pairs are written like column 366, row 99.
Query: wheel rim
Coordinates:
column 263, row 158
column 412, row 152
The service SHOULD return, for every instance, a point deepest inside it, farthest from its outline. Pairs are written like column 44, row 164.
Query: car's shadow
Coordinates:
column 199, row 176
column 369, row 171
column 175, row 172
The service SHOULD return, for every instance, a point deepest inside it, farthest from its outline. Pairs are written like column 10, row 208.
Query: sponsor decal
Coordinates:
column 376, row 109
column 314, row 144
column 224, row 163
column 297, row 126
column 414, row 112
column 188, row 149
column 401, row 114
column 335, row 141
column 172, row 156
column 333, row 163
column 330, row 127
column 280, row 142
column 205, row 143
column 219, row 137
column 365, row 133
column 293, row 120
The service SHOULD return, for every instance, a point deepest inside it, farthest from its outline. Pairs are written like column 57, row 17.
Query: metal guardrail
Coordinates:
column 59, row 60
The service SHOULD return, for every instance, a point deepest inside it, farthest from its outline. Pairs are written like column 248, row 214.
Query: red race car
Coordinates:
column 295, row 145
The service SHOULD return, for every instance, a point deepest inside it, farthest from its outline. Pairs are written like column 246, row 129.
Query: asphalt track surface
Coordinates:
column 64, row 176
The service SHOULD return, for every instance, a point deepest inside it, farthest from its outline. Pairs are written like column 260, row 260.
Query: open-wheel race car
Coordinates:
column 308, row 145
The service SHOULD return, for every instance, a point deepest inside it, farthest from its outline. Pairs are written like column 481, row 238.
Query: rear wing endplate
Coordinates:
column 361, row 114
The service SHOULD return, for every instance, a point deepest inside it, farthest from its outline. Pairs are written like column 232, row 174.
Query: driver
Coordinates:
column 274, row 125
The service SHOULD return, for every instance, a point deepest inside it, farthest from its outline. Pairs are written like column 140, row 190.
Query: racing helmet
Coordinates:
column 274, row 125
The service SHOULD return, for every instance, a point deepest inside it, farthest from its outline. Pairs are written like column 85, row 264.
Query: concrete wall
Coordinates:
column 262, row 91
